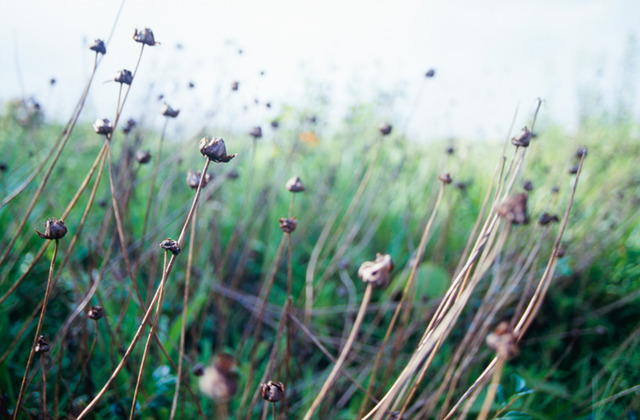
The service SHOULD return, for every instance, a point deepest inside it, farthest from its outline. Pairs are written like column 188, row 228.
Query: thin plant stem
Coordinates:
column 44, row 386
column 493, row 388
column 343, row 356
column 38, row 330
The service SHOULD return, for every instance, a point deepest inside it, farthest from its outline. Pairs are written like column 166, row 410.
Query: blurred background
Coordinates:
column 581, row 57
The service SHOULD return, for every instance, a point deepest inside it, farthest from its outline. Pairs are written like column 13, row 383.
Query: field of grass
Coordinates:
column 246, row 302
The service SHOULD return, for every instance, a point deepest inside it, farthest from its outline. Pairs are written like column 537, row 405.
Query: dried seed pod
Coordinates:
column 523, row 139
column 220, row 381
column 235, row 86
column 124, row 77
column 527, row 185
column 377, row 272
column 546, row 218
column 503, row 341
column 574, row 169
column 561, row 252
column 198, row 369
column 294, row 185
column 193, row 179
column 450, row 150
column 582, row 151
column 42, row 346
column 191, row 85
column 167, row 111
column 256, row 132
column 103, row 126
column 145, row 36
column 171, row 246
column 215, row 149
column 445, row 178
column 142, row 156
column 130, row 125
column 555, row 190
column 98, row 46
column 288, row 225
column 385, row 129
column 275, row 124
column 514, row 209
column 272, row 391
column 96, row 312
column 53, row 229
column 52, row 81
column 430, row 73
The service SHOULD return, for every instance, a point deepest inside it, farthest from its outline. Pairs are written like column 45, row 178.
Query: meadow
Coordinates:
column 391, row 279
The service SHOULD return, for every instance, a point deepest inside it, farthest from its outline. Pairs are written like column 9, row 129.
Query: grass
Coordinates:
column 282, row 306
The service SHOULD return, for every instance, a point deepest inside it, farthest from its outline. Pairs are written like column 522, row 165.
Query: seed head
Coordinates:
column 215, row 149
column 288, row 225
column 295, row 185
column 256, row 132
column 450, row 150
column 514, row 209
column 523, row 138
column 53, row 229
column 503, row 341
column 233, row 174
column 193, row 179
column 445, row 178
column 561, row 252
column 582, row 151
column 142, row 156
column 275, row 124
column 272, row 391
column 430, row 73
column 198, row 369
column 385, row 129
column 171, row 246
column 220, row 381
column 96, row 312
column 124, row 77
column 130, row 125
column 377, row 272
column 527, row 185
column 42, row 346
column 546, row 218
column 574, row 169
column 103, row 126
column 145, row 36
column 235, row 85
column 98, row 46
column 167, row 111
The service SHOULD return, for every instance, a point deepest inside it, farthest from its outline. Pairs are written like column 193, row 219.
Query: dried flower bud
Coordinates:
column 272, row 391
column 445, row 178
column 215, row 149
column 561, row 252
column 198, row 369
column 503, row 341
column 142, row 156
column 288, row 225
column 96, row 312
column 275, row 124
column 235, row 86
column 527, row 185
column 295, row 185
column 377, row 272
column 514, row 209
column 145, row 36
column 430, row 73
column 191, row 85
column 98, row 46
column 167, row 111
column 574, row 169
column 546, row 218
column 103, row 126
column 450, row 150
column 52, row 81
column 385, row 129
column 523, row 138
column 124, row 76
column 256, row 132
column 130, row 125
column 582, row 151
column 41, row 345
column 171, row 246
column 220, row 381
column 53, row 229
column 193, row 179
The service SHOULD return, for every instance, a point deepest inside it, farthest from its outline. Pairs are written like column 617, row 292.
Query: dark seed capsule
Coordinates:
column 124, row 77
column 288, row 225
column 272, row 391
column 385, row 129
column 574, row 169
column 582, row 151
column 98, row 46
column 523, row 139
column 430, row 73
column 130, row 125
column 527, row 185
column 256, row 132
column 145, row 36
column 171, row 246
column 41, row 345
column 193, row 179
column 445, row 178
column 103, row 126
column 450, row 150
column 215, row 149
column 198, row 369
column 514, row 209
column 235, row 86
column 377, row 272
column 546, row 218
column 294, row 185
column 53, row 229
column 275, row 124
column 96, row 312
column 167, row 111
column 142, row 156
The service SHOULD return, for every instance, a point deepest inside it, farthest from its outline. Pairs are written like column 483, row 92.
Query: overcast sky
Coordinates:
column 489, row 57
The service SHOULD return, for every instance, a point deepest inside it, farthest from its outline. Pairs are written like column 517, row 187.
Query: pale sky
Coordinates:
column 490, row 57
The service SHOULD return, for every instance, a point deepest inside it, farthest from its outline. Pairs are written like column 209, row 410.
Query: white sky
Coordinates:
column 489, row 57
